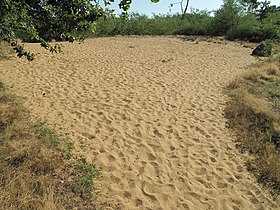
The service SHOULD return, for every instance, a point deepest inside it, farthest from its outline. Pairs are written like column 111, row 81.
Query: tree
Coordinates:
column 249, row 5
column 186, row 8
column 226, row 17
column 43, row 20
column 265, row 8
column 184, row 11
column 260, row 9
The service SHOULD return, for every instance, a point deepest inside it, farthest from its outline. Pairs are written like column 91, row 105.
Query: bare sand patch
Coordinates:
column 149, row 112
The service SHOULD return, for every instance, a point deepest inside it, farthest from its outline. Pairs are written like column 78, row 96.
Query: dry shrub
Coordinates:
column 268, row 67
column 257, row 125
column 259, row 106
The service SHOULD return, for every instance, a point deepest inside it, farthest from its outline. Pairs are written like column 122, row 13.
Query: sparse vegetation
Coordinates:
column 37, row 170
column 254, row 115
column 83, row 181
column 43, row 131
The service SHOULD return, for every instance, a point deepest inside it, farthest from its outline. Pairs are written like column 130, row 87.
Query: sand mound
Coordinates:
column 149, row 112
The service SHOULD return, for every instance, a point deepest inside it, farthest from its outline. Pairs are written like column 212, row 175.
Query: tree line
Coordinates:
column 45, row 20
column 245, row 20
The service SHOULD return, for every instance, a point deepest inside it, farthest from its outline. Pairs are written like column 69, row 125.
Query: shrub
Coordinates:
column 253, row 114
column 226, row 17
column 271, row 26
column 197, row 23
column 246, row 29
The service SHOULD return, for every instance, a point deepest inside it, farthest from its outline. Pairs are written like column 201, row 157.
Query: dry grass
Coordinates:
column 254, row 115
column 36, row 168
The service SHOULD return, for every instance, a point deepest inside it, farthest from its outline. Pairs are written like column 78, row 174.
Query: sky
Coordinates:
column 163, row 7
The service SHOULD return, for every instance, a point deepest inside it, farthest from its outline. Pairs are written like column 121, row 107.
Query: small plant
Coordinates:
column 2, row 86
column 83, row 166
column 274, row 91
column 66, row 148
column 55, row 140
column 86, row 172
column 44, row 131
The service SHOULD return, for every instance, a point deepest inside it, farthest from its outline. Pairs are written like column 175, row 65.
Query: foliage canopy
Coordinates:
column 44, row 20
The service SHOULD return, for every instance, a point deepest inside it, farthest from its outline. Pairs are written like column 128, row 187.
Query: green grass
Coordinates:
column 273, row 91
column 86, row 173
column 44, row 131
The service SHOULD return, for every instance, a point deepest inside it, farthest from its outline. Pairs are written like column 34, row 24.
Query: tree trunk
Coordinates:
column 186, row 8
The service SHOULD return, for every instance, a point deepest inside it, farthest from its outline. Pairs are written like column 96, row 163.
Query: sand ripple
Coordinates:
column 149, row 112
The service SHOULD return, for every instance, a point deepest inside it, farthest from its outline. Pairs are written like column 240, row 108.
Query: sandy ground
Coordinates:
column 149, row 112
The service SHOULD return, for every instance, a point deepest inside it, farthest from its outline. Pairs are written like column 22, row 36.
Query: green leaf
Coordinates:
column 154, row 1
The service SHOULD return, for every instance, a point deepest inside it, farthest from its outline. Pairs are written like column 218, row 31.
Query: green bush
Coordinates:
column 226, row 17
column 248, row 28
column 137, row 25
column 271, row 26
column 198, row 23
column 191, row 24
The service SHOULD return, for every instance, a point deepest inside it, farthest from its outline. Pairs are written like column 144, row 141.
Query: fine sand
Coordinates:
column 148, row 112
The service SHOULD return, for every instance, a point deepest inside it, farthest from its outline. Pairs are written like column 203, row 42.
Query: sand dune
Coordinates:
column 149, row 112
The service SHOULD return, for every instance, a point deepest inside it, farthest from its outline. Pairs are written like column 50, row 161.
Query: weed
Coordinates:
column 43, row 130
column 85, row 167
column 264, row 49
column 86, row 172
column 273, row 91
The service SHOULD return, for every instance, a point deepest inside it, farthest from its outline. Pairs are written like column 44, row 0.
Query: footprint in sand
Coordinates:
column 155, row 130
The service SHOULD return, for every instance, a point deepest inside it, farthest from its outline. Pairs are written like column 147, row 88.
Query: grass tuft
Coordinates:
column 36, row 165
column 45, row 132
column 83, row 182
column 254, row 115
